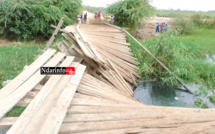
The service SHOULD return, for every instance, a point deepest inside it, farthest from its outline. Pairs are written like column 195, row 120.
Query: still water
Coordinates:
column 153, row 93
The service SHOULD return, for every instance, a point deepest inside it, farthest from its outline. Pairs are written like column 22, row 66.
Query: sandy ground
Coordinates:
column 5, row 42
column 148, row 29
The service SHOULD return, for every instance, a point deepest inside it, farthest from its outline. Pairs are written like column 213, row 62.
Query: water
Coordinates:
column 210, row 58
column 153, row 93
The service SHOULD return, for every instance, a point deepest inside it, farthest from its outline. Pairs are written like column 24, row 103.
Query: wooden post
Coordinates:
column 53, row 35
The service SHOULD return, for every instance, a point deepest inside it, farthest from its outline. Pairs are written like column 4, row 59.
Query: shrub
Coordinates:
column 130, row 13
column 28, row 19
column 183, row 25
column 210, row 24
column 196, row 19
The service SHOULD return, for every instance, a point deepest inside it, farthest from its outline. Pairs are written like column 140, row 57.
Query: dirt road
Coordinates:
column 148, row 29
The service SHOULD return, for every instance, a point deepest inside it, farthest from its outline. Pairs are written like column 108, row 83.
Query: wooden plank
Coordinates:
column 133, row 79
column 123, row 56
column 123, row 124
column 35, row 105
column 23, row 76
column 63, row 48
column 6, row 123
column 85, row 50
column 122, row 80
column 91, row 47
column 11, row 100
column 53, row 123
column 36, row 123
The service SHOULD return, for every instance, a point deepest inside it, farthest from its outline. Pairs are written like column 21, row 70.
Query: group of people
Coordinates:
column 107, row 17
column 80, row 18
column 97, row 15
column 162, row 27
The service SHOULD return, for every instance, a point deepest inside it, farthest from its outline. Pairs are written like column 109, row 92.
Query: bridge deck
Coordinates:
column 98, row 99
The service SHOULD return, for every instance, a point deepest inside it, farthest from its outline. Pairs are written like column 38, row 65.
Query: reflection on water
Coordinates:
column 3, row 131
column 153, row 93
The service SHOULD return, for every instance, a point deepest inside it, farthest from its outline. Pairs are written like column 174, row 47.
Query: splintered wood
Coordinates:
column 105, row 51
column 97, row 99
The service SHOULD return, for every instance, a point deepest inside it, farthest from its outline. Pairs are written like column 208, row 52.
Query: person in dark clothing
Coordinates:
column 157, row 28
column 81, row 18
column 85, row 16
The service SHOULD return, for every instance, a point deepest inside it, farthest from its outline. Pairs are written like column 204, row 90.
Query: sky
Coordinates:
column 196, row 5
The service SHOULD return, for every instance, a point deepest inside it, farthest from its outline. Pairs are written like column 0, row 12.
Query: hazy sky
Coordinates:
column 203, row 5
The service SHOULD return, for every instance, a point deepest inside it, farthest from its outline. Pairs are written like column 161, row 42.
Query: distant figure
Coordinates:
column 85, row 16
column 108, row 18
column 95, row 15
column 81, row 17
column 99, row 15
column 157, row 28
column 162, row 25
column 165, row 27
column 78, row 19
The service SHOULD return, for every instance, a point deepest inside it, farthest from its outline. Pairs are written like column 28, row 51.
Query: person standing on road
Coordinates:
column 85, row 16
column 78, row 19
column 81, row 17
column 95, row 15
column 157, row 28
column 99, row 17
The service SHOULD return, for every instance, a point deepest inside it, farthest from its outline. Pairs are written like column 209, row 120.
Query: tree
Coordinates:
column 28, row 19
column 130, row 13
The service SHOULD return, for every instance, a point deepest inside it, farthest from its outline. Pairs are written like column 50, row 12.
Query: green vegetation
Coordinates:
column 15, row 112
column 29, row 19
column 130, row 13
column 182, row 60
column 173, row 13
column 201, row 104
column 12, row 61
column 14, row 58
column 183, row 26
column 94, row 9
column 201, row 91
column 212, row 98
column 200, row 42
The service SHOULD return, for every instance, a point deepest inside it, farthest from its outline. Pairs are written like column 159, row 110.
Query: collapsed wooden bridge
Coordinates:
column 98, row 98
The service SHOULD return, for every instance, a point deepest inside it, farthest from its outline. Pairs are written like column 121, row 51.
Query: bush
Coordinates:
column 196, row 19
column 183, row 25
column 130, row 13
column 28, row 19
column 210, row 24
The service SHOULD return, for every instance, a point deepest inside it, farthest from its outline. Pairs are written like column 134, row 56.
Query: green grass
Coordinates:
column 212, row 98
column 12, row 61
column 201, row 42
column 15, row 112
column 186, row 14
